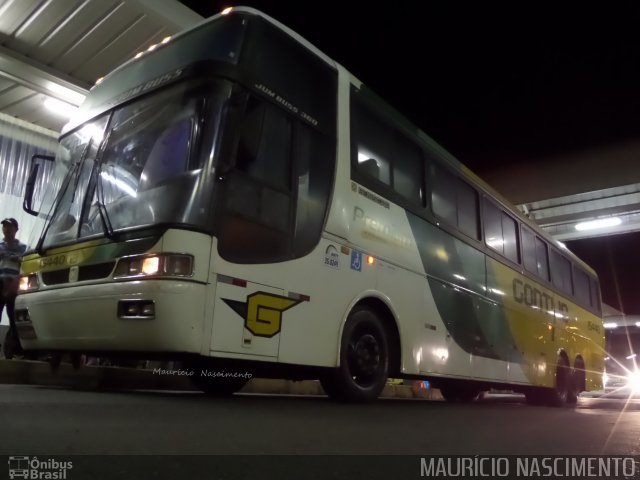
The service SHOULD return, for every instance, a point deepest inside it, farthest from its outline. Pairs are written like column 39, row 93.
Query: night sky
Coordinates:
column 495, row 83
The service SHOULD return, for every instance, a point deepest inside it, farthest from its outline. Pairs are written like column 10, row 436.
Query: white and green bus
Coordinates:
column 235, row 200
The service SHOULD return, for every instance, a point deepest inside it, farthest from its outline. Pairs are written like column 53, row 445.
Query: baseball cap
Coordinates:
column 10, row 221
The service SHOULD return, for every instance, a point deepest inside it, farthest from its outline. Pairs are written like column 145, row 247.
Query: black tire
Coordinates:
column 562, row 395
column 459, row 393
column 364, row 360
column 536, row 396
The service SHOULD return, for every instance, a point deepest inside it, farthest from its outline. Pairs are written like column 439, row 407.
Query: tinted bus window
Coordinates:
column 467, row 207
column 256, row 226
column 373, row 140
column 595, row 295
column 407, row 169
column 454, row 201
column 500, row 231
column 542, row 258
column 384, row 155
column 529, row 251
column 443, row 194
column 581, row 286
column 561, row 272
column 493, row 227
column 510, row 237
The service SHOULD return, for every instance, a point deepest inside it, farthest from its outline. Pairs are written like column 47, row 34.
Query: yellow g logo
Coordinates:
column 263, row 312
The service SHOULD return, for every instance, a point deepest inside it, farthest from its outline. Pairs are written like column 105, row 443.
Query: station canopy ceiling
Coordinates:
column 53, row 51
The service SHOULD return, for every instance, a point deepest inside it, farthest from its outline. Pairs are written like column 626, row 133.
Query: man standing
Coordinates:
column 11, row 251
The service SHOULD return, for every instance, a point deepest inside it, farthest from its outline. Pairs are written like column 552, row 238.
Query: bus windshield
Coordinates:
column 134, row 167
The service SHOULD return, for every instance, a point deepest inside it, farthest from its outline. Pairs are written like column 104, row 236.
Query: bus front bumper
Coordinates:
column 133, row 316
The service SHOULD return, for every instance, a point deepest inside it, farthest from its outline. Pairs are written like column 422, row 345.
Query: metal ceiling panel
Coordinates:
column 59, row 48
column 14, row 13
column 71, row 29
column 97, row 38
column 28, row 37
column 26, row 106
column 5, row 84
column 13, row 95
column 144, row 31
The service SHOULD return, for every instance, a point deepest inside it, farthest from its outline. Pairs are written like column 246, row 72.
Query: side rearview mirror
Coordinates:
column 36, row 161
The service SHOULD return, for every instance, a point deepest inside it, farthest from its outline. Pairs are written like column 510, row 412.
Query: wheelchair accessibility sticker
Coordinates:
column 356, row 260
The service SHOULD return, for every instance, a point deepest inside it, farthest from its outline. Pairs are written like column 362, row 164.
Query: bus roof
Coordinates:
column 432, row 144
column 246, row 10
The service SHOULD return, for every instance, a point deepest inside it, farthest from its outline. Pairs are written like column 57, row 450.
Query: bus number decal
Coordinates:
column 332, row 257
column 57, row 260
column 262, row 312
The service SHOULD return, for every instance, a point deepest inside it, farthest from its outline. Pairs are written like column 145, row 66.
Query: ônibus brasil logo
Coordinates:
column 32, row 468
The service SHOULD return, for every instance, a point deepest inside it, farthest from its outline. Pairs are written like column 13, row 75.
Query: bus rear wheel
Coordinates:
column 561, row 395
column 364, row 360
column 564, row 392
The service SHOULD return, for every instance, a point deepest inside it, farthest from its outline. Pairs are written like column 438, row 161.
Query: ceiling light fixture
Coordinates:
column 599, row 223
column 59, row 107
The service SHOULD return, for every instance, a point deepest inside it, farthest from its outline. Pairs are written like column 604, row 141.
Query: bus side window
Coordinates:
column 561, row 272
column 529, row 251
column 455, row 201
column 314, row 157
column 373, row 142
column 443, row 194
column 500, row 230
column 595, row 295
column 257, row 224
column 581, row 284
column 265, row 145
column 408, row 173
column 467, row 206
column 542, row 258
column 383, row 154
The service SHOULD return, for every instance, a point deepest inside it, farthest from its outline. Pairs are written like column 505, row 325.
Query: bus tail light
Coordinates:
column 162, row 265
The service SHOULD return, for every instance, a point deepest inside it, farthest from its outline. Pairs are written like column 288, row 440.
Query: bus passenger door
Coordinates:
column 247, row 317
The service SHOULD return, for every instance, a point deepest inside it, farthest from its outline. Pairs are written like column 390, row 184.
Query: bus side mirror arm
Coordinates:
column 27, row 203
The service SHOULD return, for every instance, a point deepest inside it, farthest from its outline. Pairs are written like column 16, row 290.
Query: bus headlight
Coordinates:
column 28, row 282
column 162, row 264
column 633, row 380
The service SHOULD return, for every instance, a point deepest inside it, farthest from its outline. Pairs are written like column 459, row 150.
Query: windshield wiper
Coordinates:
column 102, row 209
column 76, row 171
column 107, row 227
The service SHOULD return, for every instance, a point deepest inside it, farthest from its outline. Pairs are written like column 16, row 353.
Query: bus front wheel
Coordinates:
column 364, row 360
